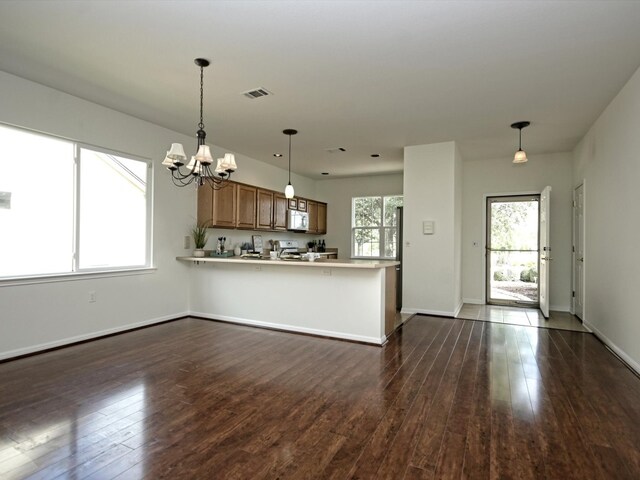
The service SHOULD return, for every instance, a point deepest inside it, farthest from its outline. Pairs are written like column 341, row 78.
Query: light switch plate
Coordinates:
column 428, row 227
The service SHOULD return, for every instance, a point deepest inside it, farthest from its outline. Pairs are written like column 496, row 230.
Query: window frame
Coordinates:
column 75, row 271
column 381, row 229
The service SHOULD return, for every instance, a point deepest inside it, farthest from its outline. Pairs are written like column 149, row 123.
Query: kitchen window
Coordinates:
column 374, row 231
column 67, row 207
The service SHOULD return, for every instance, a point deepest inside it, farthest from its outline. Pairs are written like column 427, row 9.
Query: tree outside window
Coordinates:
column 374, row 230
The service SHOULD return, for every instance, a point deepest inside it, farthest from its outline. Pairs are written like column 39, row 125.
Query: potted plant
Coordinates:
column 199, row 234
column 245, row 248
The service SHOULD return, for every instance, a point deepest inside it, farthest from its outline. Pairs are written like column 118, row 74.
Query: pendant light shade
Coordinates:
column 521, row 155
column 288, row 190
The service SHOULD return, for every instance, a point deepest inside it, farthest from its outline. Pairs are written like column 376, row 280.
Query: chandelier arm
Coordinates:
column 180, row 182
column 177, row 173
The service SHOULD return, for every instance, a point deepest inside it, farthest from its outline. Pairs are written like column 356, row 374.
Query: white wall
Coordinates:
column 607, row 160
column 429, row 277
column 500, row 176
column 338, row 194
column 47, row 314
column 42, row 315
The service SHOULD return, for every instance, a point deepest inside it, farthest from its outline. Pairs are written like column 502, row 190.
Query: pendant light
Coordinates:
column 198, row 170
column 521, row 155
column 288, row 191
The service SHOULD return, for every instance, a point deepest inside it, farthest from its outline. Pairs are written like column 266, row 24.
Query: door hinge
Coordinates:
column 573, row 294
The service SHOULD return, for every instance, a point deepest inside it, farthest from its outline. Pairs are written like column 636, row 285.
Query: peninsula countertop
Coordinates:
column 319, row 263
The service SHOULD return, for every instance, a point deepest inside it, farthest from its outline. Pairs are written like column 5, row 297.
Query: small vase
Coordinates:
column 198, row 252
column 237, row 252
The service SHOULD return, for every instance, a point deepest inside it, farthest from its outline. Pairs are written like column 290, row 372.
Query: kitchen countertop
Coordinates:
column 320, row 263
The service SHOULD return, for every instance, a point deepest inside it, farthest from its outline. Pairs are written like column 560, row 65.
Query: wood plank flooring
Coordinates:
column 444, row 399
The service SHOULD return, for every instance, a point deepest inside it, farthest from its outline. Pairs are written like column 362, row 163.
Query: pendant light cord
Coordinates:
column 289, row 159
column 520, row 142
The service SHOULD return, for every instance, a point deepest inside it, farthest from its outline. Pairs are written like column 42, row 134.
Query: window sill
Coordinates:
column 71, row 277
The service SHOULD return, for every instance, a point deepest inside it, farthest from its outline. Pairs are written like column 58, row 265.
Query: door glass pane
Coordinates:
column 113, row 213
column 36, row 210
column 512, row 255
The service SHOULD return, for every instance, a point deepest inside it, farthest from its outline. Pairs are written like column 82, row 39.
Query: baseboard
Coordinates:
column 560, row 308
column 621, row 354
column 20, row 352
column 291, row 328
column 473, row 301
column 437, row 313
column 458, row 309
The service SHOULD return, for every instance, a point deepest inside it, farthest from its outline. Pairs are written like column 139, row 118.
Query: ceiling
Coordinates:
column 368, row 76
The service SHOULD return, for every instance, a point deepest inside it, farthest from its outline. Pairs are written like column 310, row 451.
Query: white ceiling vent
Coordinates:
column 336, row 150
column 257, row 93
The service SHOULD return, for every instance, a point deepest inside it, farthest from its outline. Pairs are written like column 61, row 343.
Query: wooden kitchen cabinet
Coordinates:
column 217, row 208
column 265, row 209
column 312, row 208
column 246, row 206
column 322, row 218
column 280, row 205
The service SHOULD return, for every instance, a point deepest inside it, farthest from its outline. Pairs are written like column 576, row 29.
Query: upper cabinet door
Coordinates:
column 205, row 205
column 246, row 207
column 312, row 208
column 280, row 204
column 322, row 218
column 264, row 220
column 224, row 206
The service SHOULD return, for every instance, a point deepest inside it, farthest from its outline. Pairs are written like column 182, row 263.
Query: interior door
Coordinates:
column 545, row 250
column 578, row 252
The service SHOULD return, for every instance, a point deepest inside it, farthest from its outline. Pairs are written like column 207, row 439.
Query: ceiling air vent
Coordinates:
column 257, row 93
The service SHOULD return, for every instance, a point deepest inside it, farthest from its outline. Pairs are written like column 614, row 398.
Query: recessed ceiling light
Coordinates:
column 375, row 155
column 325, row 173
column 277, row 155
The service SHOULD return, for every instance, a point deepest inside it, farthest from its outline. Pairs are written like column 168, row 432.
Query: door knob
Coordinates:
column 546, row 258
column 581, row 259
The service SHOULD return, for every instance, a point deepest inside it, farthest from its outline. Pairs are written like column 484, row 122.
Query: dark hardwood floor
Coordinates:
column 445, row 398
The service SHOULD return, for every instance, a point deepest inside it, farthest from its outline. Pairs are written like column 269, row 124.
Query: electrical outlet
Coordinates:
column 257, row 268
column 187, row 242
column 92, row 296
column 326, row 271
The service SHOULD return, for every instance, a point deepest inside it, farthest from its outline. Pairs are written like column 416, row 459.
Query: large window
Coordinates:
column 374, row 231
column 67, row 207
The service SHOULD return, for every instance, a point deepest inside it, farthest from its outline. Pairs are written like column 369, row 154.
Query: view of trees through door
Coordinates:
column 512, row 250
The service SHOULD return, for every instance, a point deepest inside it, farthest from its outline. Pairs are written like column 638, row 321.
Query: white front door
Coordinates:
column 578, row 251
column 545, row 250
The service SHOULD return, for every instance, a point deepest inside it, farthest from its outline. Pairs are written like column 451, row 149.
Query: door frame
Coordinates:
column 484, row 232
column 583, row 183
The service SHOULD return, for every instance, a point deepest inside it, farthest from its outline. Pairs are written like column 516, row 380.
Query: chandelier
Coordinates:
column 198, row 171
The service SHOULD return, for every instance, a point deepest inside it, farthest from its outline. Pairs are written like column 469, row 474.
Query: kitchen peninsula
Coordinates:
column 348, row 299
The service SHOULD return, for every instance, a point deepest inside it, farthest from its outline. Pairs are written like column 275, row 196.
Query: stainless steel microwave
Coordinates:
column 298, row 221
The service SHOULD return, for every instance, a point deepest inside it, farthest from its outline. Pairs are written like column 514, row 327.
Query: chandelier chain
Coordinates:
column 201, row 124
